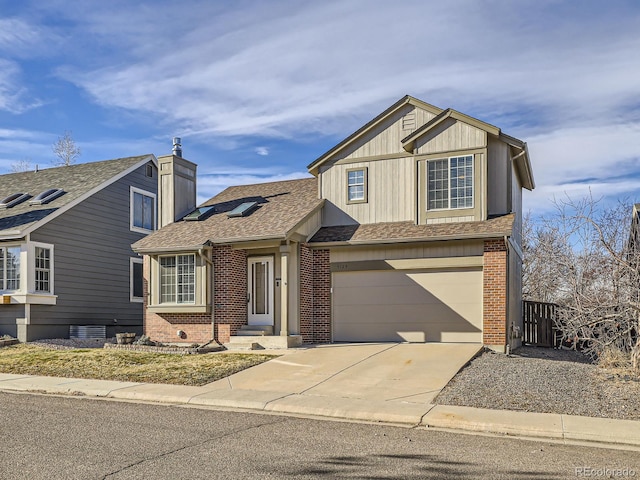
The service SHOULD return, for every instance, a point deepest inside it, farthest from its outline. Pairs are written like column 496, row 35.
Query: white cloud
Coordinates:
column 262, row 151
column 562, row 76
column 212, row 184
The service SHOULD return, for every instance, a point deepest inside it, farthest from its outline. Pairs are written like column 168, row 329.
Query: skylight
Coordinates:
column 243, row 209
column 199, row 214
column 12, row 200
column 46, row 196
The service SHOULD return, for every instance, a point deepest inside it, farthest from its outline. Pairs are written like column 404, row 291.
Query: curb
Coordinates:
column 568, row 429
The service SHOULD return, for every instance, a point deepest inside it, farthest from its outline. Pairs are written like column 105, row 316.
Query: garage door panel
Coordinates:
column 410, row 305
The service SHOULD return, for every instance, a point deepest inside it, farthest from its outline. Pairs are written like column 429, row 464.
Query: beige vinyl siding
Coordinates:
column 516, row 206
column 408, row 305
column 311, row 226
column 477, row 213
column 386, row 137
column 390, row 195
column 498, row 177
column 468, row 218
column 451, row 135
column 455, row 248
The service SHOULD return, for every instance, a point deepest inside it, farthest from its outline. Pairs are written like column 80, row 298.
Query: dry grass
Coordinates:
column 615, row 362
column 126, row 365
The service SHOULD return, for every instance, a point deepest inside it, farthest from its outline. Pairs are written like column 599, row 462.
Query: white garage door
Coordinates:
column 408, row 305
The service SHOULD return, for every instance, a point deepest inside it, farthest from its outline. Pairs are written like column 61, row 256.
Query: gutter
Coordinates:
column 406, row 240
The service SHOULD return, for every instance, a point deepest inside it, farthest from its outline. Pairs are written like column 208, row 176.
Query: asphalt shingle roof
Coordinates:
column 281, row 207
column 75, row 180
column 409, row 231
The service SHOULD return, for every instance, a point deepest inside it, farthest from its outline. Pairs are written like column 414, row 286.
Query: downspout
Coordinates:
column 213, row 303
column 507, row 349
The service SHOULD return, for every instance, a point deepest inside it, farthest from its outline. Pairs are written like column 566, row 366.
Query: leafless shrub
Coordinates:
column 581, row 258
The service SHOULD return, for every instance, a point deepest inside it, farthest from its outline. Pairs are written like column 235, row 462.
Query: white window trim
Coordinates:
column 31, row 274
column 473, row 184
column 132, row 227
column 132, row 261
column 27, row 293
column 365, row 187
column 23, row 268
column 195, row 280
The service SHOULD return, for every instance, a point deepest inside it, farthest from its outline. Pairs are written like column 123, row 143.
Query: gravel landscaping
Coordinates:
column 545, row 380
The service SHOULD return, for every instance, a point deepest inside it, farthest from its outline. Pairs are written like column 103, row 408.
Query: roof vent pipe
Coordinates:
column 177, row 147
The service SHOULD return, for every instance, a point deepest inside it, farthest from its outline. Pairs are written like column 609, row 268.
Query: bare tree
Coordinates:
column 66, row 150
column 581, row 258
column 23, row 165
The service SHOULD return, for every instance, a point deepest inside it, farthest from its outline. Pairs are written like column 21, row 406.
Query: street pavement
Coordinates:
column 51, row 437
column 389, row 383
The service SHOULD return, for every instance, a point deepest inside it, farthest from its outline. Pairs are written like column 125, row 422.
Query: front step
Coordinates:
column 260, row 342
column 255, row 330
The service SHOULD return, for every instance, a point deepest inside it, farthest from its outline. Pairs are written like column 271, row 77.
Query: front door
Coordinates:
column 260, row 290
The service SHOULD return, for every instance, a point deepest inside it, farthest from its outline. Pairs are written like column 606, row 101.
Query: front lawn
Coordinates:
column 123, row 365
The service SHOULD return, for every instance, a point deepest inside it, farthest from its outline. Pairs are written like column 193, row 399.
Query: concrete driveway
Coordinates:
column 400, row 375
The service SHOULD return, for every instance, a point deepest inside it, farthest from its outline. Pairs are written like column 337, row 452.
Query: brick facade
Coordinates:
column 321, row 296
column 306, row 294
column 229, row 290
column 230, row 303
column 495, row 293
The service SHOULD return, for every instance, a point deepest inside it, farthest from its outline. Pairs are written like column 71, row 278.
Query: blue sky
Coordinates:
column 257, row 90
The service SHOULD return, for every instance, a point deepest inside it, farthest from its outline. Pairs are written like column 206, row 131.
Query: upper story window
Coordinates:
column 357, row 185
column 178, row 279
column 10, row 268
column 450, row 183
column 143, row 210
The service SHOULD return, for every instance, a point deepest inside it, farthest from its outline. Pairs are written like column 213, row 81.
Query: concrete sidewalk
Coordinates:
column 412, row 412
column 377, row 382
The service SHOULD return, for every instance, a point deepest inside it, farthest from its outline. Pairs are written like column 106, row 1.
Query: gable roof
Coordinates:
column 522, row 160
column 408, row 141
column 398, row 232
column 77, row 181
column 282, row 208
column 407, row 99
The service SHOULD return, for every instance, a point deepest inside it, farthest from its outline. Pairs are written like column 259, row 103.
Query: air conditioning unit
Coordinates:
column 87, row 331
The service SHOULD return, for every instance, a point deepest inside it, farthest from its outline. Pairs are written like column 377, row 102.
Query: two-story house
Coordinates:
column 409, row 230
column 66, row 264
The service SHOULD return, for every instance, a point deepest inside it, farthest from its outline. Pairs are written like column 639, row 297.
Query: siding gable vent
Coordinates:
column 409, row 121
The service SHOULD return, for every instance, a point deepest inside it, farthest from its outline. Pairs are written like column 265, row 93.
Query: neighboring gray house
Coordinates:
column 65, row 246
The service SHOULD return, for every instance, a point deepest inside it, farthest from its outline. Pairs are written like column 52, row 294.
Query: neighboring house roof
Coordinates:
column 522, row 160
column 282, row 208
column 397, row 232
column 77, row 181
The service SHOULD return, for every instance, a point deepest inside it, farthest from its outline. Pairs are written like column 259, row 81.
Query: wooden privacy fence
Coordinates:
column 539, row 320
